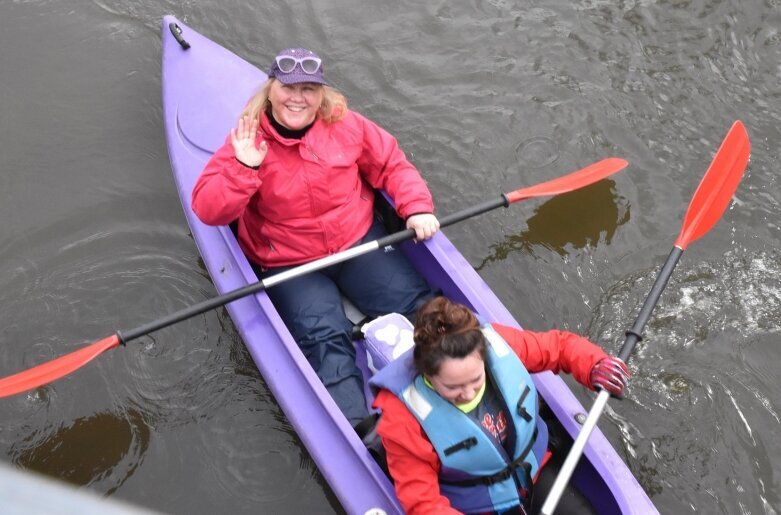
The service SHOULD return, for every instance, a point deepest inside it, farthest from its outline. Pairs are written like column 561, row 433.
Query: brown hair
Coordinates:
column 445, row 329
column 332, row 109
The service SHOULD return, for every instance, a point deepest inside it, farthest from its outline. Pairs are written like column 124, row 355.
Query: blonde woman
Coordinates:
column 297, row 174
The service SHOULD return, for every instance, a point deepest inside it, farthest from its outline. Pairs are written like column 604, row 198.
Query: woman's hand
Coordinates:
column 243, row 141
column 610, row 374
column 425, row 225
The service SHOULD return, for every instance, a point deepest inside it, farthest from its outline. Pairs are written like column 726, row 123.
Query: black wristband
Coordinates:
column 242, row 163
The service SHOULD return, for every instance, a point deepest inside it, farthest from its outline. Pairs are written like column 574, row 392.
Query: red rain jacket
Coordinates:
column 311, row 197
column 412, row 460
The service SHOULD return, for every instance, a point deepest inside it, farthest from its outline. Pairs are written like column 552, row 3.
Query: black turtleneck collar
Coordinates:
column 284, row 131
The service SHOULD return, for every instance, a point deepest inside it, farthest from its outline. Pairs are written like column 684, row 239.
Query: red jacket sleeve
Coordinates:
column 384, row 165
column 412, row 460
column 224, row 187
column 554, row 350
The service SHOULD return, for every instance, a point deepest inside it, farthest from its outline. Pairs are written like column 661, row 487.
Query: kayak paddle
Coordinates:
column 705, row 209
column 60, row 367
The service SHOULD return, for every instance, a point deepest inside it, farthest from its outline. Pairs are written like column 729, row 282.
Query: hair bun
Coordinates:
column 445, row 329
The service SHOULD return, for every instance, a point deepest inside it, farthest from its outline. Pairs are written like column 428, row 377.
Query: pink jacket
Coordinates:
column 311, row 197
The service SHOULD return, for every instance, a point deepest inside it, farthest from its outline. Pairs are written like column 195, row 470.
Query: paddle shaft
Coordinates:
column 59, row 367
column 633, row 336
column 318, row 264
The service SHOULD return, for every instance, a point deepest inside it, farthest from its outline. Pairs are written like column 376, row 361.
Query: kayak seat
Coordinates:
column 386, row 338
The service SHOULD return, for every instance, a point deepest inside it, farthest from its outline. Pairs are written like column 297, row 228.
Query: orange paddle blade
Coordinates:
column 717, row 186
column 55, row 369
column 572, row 181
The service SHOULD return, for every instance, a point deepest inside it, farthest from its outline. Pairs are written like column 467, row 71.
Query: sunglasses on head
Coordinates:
column 287, row 64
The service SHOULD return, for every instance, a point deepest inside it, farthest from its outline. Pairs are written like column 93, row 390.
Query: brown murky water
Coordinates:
column 485, row 97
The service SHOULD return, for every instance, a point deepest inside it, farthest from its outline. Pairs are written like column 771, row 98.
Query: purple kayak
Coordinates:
column 205, row 87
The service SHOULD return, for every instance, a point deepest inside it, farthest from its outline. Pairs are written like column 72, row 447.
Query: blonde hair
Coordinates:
column 332, row 109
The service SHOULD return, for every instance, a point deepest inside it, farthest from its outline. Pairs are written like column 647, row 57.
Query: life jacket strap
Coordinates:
column 466, row 444
column 521, row 409
column 503, row 474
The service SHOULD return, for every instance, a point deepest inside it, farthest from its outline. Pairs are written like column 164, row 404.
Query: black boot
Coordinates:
column 367, row 432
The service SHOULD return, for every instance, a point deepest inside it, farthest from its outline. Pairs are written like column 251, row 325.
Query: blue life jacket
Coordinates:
column 477, row 474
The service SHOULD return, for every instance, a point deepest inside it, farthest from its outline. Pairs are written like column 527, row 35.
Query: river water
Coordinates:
column 485, row 97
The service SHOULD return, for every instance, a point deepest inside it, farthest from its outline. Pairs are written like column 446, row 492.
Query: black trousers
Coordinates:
column 572, row 501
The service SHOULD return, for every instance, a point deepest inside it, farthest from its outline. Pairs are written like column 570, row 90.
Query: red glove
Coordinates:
column 609, row 374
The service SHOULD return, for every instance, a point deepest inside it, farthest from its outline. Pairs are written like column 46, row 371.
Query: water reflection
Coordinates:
column 579, row 219
column 102, row 450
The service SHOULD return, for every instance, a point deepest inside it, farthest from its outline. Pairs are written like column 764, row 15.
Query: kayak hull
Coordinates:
column 205, row 87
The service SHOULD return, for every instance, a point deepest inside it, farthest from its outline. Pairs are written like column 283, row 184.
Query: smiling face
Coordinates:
column 460, row 379
column 295, row 105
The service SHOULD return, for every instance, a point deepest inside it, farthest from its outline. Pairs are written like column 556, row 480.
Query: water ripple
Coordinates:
column 711, row 313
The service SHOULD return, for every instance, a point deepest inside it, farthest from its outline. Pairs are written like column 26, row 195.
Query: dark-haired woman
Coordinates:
column 460, row 421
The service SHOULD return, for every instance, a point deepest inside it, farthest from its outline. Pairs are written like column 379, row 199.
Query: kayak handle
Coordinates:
column 176, row 30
